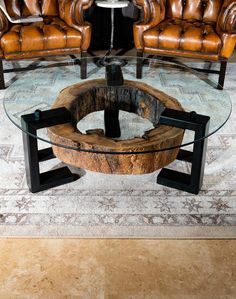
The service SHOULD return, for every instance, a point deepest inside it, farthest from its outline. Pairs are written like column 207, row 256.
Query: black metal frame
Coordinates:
column 42, row 119
column 114, row 78
column 82, row 62
column 30, row 124
column 200, row 125
column 221, row 72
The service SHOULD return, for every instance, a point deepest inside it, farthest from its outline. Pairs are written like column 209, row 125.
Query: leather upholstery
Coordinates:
column 3, row 23
column 227, row 18
column 192, row 28
column 71, row 11
column 206, row 11
column 183, row 35
column 18, row 8
column 3, row 28
column 62, row 30
column 53, row 33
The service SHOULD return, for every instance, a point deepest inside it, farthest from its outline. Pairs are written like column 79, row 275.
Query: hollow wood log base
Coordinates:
column 116, row 164
column 90, row 96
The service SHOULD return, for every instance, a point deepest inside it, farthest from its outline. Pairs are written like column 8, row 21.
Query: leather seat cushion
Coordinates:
column 50, row 34
column 188, row 35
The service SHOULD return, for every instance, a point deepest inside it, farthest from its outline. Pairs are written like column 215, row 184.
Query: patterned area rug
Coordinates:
column 99, row 205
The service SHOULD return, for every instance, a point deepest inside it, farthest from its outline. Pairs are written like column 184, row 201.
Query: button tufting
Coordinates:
column 193, row 30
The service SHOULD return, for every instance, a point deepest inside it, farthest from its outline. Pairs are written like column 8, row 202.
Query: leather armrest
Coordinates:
column 71, row 12
column 4, row 23
column 29, row 19
column 152, row 13
column 227, row 19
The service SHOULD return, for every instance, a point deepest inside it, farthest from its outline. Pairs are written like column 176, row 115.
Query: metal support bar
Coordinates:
column 111, row 122
column 200, row 125
column 114, row 75
column 206, row 71
column 45, row 154
column 114, row 79
column 30, row 124
column 2, row 81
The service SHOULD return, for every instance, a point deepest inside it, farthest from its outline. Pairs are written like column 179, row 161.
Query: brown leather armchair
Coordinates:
column 61, row 30
column 201, row 29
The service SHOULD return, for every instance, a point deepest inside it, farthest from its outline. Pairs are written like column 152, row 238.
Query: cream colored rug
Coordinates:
column 99, row 205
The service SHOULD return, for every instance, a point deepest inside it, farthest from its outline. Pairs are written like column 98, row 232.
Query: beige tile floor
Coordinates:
column 117, row 269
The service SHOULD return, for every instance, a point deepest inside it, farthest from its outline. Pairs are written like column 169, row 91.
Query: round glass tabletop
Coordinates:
column 144, row 106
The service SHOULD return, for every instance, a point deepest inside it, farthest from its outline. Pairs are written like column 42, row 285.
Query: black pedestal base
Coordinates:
column 110, row 60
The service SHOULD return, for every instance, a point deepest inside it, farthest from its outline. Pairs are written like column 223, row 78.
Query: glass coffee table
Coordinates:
column 114, row 123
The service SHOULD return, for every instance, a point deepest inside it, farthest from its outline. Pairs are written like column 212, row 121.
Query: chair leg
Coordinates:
column 223, row 65
column 2, row 81
column 83, row 65
column 139, row 64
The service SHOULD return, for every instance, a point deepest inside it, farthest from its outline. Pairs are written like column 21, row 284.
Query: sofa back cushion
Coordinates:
column 201, row 10
column 25, row 8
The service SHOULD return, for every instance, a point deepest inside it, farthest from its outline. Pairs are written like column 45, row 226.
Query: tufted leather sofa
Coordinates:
column 201, row 29
column 60, row 31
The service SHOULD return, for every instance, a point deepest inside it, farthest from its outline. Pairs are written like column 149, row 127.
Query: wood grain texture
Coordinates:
column 86, row 97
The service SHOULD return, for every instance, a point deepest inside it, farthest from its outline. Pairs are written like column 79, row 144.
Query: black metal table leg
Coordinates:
column 114, row 78
column 111, row 122
column 33, row 156
column 200, row 125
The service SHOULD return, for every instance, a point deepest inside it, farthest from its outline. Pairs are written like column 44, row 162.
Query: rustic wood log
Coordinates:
column 90, row 96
